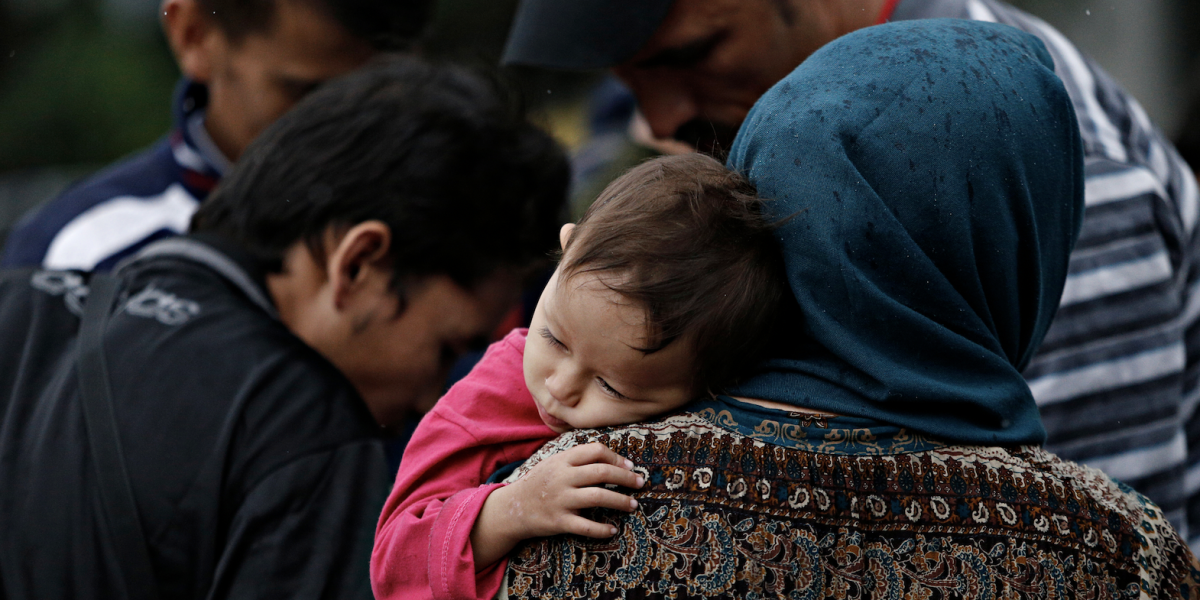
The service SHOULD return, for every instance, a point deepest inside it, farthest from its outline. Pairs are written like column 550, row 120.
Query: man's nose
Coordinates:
column 663, row 100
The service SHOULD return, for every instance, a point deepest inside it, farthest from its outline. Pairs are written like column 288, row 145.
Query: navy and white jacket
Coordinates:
column 114, row 213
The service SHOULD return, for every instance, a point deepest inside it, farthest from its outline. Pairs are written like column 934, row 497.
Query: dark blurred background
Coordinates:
column 84, row 82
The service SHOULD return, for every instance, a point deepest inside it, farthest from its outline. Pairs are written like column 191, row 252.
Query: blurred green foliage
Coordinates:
column 75, row 88
column 474, row 31
column 79, row 85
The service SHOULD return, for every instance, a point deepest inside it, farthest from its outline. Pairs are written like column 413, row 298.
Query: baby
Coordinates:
column 666, row 290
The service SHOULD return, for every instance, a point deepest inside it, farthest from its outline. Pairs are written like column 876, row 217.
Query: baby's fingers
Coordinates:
column 594, row 497
column 595, row 452
column 587, row 528
column 602, row 474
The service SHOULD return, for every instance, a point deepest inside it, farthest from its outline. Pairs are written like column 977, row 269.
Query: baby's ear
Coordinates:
column 564, row 235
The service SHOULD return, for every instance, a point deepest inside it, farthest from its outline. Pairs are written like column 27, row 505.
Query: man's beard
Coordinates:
column 710, row 137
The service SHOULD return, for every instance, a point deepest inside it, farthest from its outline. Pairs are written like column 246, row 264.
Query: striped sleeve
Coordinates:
column 1116, row 378
column 1191, row 393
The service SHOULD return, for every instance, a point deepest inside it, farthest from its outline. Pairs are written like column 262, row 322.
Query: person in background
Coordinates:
column 244, row 63
column 1116, row 378
column 252, row 368
column 1188, row 139
column 890, row 446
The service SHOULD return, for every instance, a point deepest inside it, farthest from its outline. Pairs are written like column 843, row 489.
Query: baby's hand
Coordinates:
column 547, row 500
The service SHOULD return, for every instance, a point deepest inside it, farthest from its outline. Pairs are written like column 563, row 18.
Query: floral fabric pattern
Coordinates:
column 743, row 502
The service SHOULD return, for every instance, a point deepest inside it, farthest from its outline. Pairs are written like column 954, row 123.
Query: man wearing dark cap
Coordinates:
column 1116, row 378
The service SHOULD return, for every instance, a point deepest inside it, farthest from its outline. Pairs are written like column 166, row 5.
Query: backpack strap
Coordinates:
column 116, row 495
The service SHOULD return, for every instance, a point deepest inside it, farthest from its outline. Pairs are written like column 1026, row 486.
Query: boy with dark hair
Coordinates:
column 211, row 427
column 244, row 63
column 666, row 291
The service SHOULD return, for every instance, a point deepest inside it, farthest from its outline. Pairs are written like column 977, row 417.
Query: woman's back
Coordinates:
column 932, row 173
column 747, row 502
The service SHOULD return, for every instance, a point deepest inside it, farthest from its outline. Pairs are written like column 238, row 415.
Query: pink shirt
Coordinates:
column 487, row 420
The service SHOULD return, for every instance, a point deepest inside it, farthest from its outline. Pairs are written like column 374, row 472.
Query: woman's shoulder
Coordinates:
column 1127, row 525
column 741, row 491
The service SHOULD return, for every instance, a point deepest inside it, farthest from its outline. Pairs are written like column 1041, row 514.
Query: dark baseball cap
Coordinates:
column 581, row 34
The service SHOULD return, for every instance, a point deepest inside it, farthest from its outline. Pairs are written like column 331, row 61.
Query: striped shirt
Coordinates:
column 1116, row 378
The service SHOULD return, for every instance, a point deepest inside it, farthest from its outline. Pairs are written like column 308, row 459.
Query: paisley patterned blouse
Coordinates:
column 748, row 502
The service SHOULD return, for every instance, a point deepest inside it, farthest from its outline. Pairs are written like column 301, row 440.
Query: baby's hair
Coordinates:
column 691, row 242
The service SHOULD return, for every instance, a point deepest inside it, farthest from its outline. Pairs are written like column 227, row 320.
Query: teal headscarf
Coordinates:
column 936, row 176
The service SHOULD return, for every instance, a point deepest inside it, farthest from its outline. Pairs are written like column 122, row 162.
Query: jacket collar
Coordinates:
column 201, row 163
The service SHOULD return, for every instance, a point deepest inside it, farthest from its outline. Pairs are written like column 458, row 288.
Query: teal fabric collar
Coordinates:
column 933, row 172
column 821, row 434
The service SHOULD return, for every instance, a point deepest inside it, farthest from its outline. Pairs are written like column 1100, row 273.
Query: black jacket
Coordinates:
column 256, row 469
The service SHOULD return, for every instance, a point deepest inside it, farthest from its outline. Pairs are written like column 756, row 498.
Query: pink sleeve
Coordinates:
column 423, row 541
column 451, row 564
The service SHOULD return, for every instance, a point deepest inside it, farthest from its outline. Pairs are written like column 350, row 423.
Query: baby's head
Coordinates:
column 667, row 289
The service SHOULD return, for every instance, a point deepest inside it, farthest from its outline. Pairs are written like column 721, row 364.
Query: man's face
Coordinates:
column 254, row 80
column 398, row 361
column 710, row 61
column 395, row 352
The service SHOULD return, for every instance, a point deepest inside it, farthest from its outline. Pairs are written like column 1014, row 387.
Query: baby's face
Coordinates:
column 582, row 362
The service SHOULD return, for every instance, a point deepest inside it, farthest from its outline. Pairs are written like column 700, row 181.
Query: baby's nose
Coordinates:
column 561, row 390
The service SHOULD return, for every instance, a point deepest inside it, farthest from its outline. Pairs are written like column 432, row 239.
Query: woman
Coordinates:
column 933, row 174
